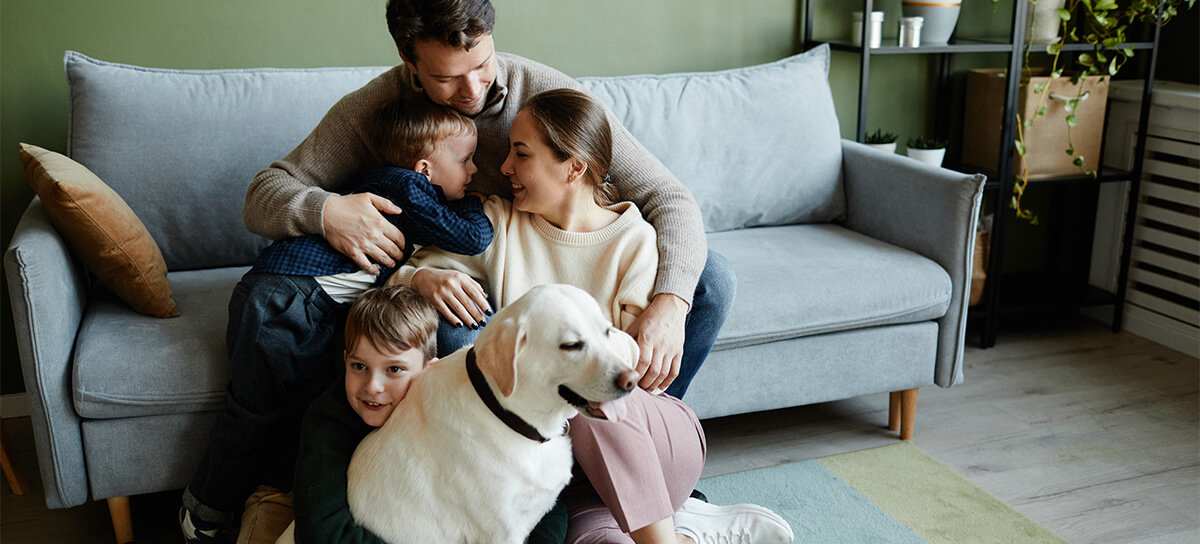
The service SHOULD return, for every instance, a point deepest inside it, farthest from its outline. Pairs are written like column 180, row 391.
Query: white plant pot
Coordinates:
column 931, row 156
column 886, row 148
column 1043, row 23
column 939, row 18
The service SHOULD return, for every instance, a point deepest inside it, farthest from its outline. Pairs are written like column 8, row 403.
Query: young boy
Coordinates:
column 286, row 313
column 390, row 336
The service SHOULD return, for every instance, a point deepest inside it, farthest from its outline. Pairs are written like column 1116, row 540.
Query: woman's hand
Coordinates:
column 355, row 225
column 457, row 296
column 660, row 332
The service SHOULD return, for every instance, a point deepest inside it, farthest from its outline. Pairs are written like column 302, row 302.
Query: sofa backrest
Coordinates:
column 181, row 146
column 756, row 146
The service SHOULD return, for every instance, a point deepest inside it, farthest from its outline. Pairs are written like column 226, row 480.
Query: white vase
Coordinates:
column 889, row 147
column 931, row 156
column 939, row 18
column 1042, row 23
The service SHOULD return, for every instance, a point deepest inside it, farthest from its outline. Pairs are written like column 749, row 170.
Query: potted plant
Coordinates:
column 883, row 141
column 1103, row 24
column 928, row 150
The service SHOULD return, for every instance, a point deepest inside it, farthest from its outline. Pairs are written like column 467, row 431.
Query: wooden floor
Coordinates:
column 1095, row 435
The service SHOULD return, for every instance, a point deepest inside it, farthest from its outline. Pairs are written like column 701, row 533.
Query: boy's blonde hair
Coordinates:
column 409, row 129
column 396, row 318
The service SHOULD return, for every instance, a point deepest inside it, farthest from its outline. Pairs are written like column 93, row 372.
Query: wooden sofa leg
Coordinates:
column 16, row 478
column 894, row 411
column 908, row 412
column 122, row 519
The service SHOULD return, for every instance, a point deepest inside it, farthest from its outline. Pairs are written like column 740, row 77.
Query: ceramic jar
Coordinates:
column 940, row 17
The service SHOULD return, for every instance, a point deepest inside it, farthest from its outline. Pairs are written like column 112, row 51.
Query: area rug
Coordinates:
column 893, row 493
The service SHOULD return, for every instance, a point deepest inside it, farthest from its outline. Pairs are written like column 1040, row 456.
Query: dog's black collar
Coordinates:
column 513, row 421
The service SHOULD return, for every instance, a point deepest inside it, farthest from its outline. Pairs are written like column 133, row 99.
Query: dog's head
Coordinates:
column 556, row 341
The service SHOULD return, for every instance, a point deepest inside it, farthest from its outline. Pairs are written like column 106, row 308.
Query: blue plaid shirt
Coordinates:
column 428, row 219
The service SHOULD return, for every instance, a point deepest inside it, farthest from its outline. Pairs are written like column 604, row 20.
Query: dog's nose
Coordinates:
column 626, row 380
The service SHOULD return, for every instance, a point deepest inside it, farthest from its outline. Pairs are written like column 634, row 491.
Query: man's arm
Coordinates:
column 299, row 194
column 682, row 249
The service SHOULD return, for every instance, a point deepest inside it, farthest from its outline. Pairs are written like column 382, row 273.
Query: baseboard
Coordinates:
column 1154, row 327
column 14, row 405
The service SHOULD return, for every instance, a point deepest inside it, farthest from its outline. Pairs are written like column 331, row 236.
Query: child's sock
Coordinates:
column 196, row 530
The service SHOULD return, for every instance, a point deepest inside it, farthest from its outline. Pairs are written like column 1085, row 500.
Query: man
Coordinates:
column 449, row 58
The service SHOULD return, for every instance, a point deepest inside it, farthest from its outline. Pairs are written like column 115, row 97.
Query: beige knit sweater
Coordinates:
column 287, row 199
column 614, row 264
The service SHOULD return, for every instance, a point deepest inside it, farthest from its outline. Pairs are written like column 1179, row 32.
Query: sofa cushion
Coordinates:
column 720, row 133
column 804, row 280
column 127, row 364
column 181, row 146
column 101, row 230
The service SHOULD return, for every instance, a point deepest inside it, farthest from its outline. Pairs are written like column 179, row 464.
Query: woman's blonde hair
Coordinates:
column 409, row 129
column 395, row 318
column 575, row 125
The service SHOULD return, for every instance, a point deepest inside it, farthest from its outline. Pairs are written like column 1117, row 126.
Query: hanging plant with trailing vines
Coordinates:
column 1103, row 24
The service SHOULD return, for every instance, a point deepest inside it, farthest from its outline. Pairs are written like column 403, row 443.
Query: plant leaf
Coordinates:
column 1063, row 14
column 1072, row 120
column 1020, row 147
column 1078, row 161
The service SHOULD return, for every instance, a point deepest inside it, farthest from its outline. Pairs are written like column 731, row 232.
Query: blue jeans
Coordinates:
column 284, row 337
column 710, row 306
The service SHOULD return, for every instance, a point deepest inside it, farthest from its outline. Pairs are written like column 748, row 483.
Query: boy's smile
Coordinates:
column 377, row 380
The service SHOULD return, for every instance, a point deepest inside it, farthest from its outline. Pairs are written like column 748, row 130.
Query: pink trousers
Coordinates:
column 638, row 470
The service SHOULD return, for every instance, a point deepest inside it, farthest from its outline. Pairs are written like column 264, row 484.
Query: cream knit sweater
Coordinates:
column 288, row 198
column 615, row 264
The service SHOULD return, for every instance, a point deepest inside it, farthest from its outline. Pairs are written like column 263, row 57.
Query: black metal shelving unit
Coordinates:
column 1001, row 180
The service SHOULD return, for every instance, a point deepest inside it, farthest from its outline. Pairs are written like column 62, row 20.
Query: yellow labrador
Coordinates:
column 477, row 452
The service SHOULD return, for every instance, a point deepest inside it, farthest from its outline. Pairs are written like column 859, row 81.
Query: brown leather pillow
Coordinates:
column 101, row 229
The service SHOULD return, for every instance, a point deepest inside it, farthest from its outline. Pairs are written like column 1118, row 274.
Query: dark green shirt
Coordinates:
column 330, row 433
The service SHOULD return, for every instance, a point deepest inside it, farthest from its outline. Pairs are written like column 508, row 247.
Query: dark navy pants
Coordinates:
column 285, row 338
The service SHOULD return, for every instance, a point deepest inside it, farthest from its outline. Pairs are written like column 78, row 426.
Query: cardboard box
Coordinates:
column 1046, row 141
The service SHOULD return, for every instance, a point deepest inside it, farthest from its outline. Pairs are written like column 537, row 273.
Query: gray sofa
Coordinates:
column 853, row 265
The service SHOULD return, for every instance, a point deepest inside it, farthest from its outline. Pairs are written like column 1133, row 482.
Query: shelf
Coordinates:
column 1031, row 297
column 1019, row 294
column 961, row 45
column 1105, row 175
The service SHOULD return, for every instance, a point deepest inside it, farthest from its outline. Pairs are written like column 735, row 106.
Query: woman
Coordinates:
column 562, row 227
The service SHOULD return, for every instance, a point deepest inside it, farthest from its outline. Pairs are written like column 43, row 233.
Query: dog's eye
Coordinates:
column 571, row 346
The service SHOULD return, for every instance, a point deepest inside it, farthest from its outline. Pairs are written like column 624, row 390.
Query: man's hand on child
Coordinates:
column 356, row 226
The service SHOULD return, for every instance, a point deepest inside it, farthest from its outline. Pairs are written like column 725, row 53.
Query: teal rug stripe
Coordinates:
column 819, row 506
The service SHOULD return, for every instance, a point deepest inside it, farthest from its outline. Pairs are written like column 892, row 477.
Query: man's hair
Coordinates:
column 458, row 23
column 394, row 318
column 575, row 125
column 409, row 129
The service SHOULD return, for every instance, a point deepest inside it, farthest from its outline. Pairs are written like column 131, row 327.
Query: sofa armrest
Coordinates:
column 926, row 209
column 47, row 286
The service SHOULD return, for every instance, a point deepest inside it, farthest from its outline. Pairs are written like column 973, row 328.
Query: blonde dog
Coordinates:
column 478, row 450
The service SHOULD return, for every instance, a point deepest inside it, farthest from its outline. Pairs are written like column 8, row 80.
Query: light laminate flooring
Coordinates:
column 1095, row 435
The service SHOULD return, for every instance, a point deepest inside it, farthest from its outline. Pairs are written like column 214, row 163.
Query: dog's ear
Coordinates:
column 498, row 352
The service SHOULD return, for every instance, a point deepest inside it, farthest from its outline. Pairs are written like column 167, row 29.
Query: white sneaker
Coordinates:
column 734, row 524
